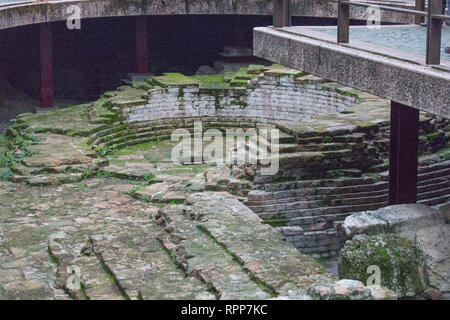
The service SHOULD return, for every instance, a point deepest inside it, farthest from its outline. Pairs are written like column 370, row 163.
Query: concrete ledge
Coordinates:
column 409, row 83
column 50, row 11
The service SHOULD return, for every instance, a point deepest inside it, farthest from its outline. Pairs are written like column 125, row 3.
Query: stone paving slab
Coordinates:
column 201, row 256
column 212, row 247
column 257, row 246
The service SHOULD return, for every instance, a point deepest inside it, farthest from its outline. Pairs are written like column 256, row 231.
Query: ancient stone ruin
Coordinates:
column 94, row 187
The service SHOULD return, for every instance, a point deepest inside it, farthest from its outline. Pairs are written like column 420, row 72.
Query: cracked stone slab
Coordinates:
column 258, row 246
column 203, row 258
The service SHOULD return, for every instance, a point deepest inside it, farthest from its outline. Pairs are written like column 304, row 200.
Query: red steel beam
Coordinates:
column 142, row 55
column 46, row 60
column 404, row 154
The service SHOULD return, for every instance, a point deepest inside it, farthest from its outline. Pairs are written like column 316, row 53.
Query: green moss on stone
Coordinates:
column 175, row 79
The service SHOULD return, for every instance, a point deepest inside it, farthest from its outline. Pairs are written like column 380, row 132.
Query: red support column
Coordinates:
column 142, row 56
column 239, row 32
column 46, row 53
column 404, row 154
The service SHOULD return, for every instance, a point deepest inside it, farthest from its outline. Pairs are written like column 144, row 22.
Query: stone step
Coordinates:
column 334, row 146
column 434, row 174
column 49, row 179
column 360, row 182
column 283, row 148
column 314, row 159
column 436, row 201
column 355, row 138
column 433, row 194
column 308, row 195
column 286, row 138
column 435, row 184
column 433, row 181
column 306, row 222
column 72, row 168
column 141, row 135
column 280, row 207
column 367, row 194
column 322, row 211
column 105, row 132
column 359, row 200
column 434, row 167
column 141, row 140
column 311, row 140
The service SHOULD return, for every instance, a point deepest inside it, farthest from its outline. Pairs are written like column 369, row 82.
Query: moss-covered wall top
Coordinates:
column 258, row 92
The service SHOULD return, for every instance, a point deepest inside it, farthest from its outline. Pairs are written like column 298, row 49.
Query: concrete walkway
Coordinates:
column 410, row 38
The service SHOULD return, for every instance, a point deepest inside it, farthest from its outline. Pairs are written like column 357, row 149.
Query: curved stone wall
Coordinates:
column 269, row 96
column 39, row 12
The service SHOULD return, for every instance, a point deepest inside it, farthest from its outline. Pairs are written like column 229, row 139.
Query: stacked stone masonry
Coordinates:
column 269, row 98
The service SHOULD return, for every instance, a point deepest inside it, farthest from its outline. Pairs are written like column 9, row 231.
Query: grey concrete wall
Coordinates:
column 13, row 16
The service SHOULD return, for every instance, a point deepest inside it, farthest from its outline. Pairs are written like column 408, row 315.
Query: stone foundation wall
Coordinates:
column 265, row 99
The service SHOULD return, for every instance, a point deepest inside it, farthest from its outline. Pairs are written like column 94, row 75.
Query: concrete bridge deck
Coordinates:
column 391, row 73
column 15, row 13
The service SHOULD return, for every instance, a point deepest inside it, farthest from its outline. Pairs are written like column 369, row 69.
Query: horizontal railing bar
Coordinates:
column 385, row 8
column 440, row 16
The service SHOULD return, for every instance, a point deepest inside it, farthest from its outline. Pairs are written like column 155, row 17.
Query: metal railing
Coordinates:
column 282, row 18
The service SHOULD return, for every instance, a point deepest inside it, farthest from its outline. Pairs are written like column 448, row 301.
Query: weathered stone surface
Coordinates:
column 403, row 219
column 200, row 256
column 398, row 260
column 434, row 244
column 122, row 252
column 350, row 290
column 212, row 246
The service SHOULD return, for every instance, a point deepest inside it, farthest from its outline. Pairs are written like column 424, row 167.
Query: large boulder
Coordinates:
column 405, row 219
column 409, row 243
column 398, row 260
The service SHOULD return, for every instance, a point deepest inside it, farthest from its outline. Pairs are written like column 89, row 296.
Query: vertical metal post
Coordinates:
column 403, row 154
column 343, row 22
column 434, row 29
column 281, row 13
column 46, row 61
column 420, row 6
column 142, row 55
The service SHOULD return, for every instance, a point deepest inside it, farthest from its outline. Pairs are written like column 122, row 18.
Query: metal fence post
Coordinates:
column 420, row 6
column 281, row 13
column 434, row 29
column 343, row 22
